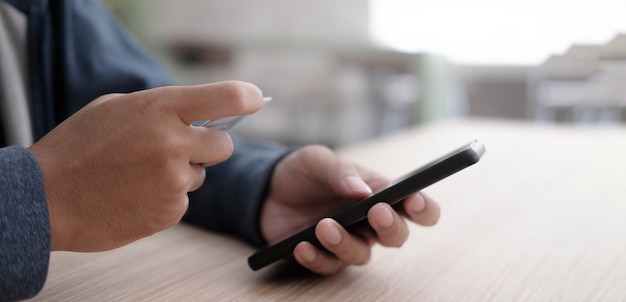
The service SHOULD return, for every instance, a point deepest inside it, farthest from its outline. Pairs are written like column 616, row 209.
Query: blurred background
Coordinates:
column 341, row 72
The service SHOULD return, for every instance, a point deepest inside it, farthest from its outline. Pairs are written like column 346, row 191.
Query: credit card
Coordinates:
column 225, row 123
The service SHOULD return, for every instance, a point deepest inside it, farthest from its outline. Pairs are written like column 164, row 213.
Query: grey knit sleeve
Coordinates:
column 24, row 225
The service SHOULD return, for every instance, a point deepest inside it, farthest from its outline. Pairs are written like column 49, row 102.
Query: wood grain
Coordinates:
column 541, row 218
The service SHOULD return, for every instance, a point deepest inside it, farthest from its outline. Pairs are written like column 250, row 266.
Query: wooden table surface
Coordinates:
column 542, row 217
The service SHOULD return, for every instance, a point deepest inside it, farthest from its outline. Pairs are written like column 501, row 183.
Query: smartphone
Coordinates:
column 414, row 181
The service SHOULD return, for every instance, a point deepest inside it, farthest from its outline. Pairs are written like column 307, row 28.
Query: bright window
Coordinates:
column 508, row 32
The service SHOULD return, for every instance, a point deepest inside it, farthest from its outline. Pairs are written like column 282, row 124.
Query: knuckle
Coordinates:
column 167, row 149
column 396, row 243
column 169, row 214
column 155, row 104
column 179, row 182
column 161, row 223
column 228, row 146
column 238, row 93
column 316, row 266
column 311, row 154
column 222, row 146
column 148, row 101
column 431, row 216
column 431, row 220
column 362, row 259
column 323, row 267
column 396, row 236
column 315, row 149
column 199, row 180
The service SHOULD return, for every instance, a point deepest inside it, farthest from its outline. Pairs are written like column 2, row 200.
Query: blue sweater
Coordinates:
column 76, row 53
column 24, row 225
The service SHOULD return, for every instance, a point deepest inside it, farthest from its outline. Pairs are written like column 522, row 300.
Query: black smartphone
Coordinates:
column 405, row 186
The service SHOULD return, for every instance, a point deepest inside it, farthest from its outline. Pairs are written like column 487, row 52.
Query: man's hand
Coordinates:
column 312, row 183
column 120, row 168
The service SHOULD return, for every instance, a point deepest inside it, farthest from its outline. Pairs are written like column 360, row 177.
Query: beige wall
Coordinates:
column 260, row 21
column 330, row 84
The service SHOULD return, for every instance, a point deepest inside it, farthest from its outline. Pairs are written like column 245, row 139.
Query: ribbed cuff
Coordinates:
column 24, row 225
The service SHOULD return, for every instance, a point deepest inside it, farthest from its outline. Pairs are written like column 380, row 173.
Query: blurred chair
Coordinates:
column 586, row 83
column 560, row 83
column 605, row 97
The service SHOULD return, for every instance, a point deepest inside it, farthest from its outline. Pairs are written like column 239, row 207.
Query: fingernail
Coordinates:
column 418, row 205
column 356, row 184
column 386, row 219
column 308, row 255
column 333, row 236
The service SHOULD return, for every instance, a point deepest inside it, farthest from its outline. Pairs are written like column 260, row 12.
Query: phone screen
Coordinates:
column 414, row 181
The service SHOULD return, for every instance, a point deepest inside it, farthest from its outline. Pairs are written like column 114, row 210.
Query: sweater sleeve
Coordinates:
column 24, row 225
column 231, row 197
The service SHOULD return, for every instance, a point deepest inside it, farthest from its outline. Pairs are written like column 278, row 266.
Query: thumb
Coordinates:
column 341, row 174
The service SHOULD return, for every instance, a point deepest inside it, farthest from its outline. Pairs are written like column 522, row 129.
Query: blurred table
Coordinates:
column 542, row 217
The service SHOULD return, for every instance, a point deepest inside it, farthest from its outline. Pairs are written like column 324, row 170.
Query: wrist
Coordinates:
column 59, row 228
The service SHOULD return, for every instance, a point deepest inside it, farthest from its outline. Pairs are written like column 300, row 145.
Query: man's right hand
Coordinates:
column 120, row 169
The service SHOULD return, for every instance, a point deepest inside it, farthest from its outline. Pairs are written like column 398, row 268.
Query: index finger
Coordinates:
column 200, row 102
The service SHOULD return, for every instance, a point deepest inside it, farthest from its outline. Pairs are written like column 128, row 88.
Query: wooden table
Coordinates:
column 541, row 218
